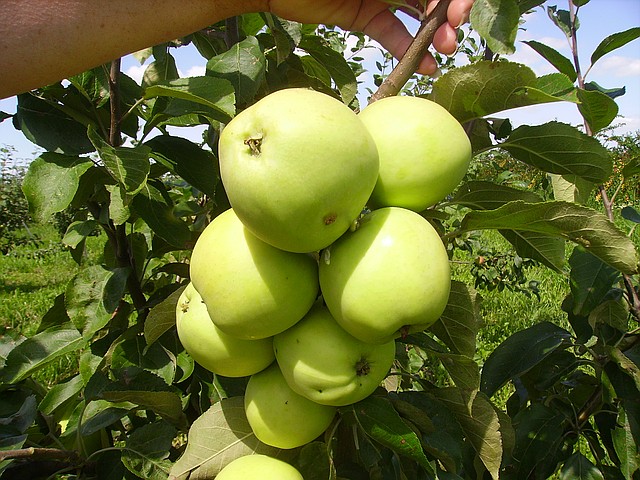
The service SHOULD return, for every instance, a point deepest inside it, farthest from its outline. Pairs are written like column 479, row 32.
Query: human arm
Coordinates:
column 43, row 41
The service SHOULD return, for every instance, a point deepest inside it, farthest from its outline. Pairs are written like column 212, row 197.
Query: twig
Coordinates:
column 40, row 453
column 114, row 97
column 409, row 63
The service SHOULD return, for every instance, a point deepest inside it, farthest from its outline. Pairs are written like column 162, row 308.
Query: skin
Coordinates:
column 44, row 41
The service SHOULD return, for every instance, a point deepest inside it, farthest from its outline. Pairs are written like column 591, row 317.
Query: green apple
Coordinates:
column 279, row 416
column 424, row 151
column 388, row 278
column 211, row 347
column 324, row 363
column 252, row 290
column 298, row 167
column 258, row 467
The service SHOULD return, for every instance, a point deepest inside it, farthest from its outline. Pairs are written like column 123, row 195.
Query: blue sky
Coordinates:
column 599, row 18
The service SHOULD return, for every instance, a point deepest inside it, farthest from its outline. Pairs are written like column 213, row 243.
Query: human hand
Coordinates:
column 374, row 18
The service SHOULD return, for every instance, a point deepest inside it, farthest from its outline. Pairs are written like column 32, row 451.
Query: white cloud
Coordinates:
column 136, row 72
column 618, row 66
column 194, row 71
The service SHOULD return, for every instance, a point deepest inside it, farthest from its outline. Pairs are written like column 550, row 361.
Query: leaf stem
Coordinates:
column 407, row 66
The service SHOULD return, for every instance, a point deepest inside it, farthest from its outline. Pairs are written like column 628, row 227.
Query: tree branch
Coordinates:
column 40, row 454
column 409, row 63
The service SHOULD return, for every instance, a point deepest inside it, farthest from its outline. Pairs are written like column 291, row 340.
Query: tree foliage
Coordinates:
column 140, row 406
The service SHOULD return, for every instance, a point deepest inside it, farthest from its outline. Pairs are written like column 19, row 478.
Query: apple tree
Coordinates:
column 549, row 400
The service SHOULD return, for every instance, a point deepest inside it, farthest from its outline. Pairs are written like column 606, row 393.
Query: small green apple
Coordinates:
column 388, row 278
column 424, row 151
column 252, row 290
column 298, row 167
column 324, row 363
column 279, row 416
column 258, row 467
column 211, row 347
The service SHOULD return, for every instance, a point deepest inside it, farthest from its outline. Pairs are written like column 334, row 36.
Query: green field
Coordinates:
column 33, row 275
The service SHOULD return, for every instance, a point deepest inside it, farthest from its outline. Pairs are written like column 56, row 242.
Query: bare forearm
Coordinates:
column 43, row 41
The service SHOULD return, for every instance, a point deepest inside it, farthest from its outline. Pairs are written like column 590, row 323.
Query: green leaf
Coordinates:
column 497, row 22
column 598, row 109
column 559, row 61
column 49, row 127
column 442, row 435
column 562, row 19
column 614, row 313
column 610, row 92
column 313, row 462
column 18, row 414
column 162, row 317
column 243, row 65
column 119, row 211
column 613, row 42
column 630, row 213
column 553, row 87
column 458, row 326
column 380, row 421
column 156, row 358
column 483, row 88
column 582, row 225
column 480, row 423
column 93, row 84
column 77, row 231
column 155, row 209
column 625, row 445
column 519, row 353
column 60, row 393
column 162, row 69
column 92, row 297
column 55, row 316
column 39, row 350
column 212, row 97
column 334, row 63
column 571, row 188
column 591, row 280
column 560, row 148
column 539, row 434
column 546, row 249
column 146, row 453
column 51, row 183
column 286, row 35
column 195, row 165
column 631, row 168
column 139, row 387
column 314, row 69
column 462, row 369
column 218, row 436
column 128, row 166
column 482, row 195
column 526, row 5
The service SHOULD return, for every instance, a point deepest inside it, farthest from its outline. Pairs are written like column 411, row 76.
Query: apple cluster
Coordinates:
column 323, row 259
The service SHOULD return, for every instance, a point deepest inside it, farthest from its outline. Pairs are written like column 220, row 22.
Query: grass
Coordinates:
column 506, row 312
column 33, row 275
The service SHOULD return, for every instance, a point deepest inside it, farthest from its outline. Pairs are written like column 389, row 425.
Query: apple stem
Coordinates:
column 407, row 66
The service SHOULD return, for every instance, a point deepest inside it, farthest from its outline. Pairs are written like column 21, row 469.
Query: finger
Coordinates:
column 458, row 12
column 445, row 39
column 391, row 33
